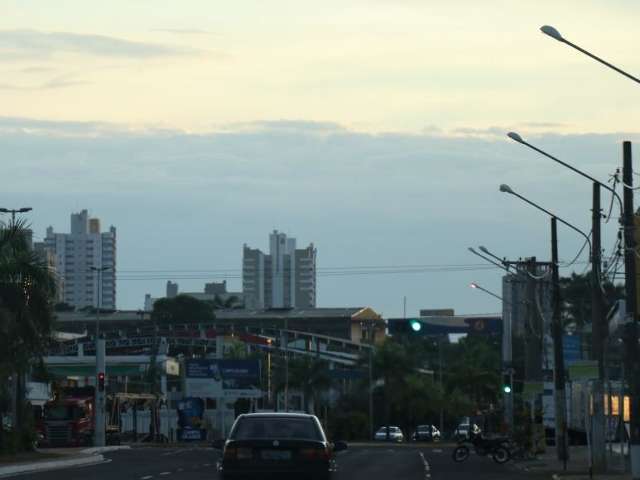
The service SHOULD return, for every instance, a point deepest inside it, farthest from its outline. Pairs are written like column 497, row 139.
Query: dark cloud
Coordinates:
column 26, row 44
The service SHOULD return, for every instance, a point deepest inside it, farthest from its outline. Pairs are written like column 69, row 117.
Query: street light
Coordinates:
column 507, row 189
column 555, row 34
column 472, row 250
column 99, row 430
column 14, row 211
column 559, row 380
column 517, row 138
column 475, row 286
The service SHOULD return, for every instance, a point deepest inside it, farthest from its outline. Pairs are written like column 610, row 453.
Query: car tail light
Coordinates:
column 315, row 453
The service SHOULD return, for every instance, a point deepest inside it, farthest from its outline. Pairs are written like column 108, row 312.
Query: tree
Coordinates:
column 311, row 375
column 230, row 302
column 575, row 292
column 27, row 289
column 475, row 371
column 181, row 309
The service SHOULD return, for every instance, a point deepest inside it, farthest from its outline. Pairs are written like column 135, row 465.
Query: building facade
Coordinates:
column 285, row 278
column 75, row 254
column 215, row 292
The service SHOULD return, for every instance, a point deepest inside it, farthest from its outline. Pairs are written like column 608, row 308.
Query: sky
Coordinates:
column 374, row 129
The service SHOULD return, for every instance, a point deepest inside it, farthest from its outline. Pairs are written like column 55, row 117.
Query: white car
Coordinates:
column 395, row 434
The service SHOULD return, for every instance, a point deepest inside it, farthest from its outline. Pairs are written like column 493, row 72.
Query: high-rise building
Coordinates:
column 76, row 252
column 285, row 278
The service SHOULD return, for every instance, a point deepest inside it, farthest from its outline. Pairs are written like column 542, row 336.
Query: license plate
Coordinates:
column 276, row 454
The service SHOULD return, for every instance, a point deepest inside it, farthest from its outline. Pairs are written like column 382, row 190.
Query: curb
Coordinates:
column 113, row 448
column 49, row 465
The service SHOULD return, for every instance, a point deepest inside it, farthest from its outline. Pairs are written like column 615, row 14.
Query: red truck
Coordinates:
column 68, row 421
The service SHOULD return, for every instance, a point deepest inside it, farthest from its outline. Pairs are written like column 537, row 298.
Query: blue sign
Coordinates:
column 190, row 420
column 222, row 378
column 571, row 349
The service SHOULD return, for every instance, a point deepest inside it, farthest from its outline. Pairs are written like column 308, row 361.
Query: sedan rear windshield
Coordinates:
column 272, row 428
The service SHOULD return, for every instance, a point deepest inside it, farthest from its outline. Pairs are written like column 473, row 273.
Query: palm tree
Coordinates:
column 311, row 375
column 230, row 302
column 27, row 290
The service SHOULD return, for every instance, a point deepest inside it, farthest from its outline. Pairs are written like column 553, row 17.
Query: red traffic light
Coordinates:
column 101, row 382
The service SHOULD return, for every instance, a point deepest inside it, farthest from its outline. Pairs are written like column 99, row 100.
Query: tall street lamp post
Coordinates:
column 633, row 350
column 507, row 351
column 599, row 330
column 559, row 377
column 99, row 428
column 555, row 34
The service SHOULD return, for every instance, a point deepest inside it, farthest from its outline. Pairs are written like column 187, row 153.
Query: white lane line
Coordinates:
column 181, row 470
column 165, row 473
column 146, row 477
column 207, row 464
column 427, row 467
column 437, row 450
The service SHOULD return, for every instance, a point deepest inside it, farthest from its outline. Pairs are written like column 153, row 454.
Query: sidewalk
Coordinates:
column 577, row 466
column 52, row 459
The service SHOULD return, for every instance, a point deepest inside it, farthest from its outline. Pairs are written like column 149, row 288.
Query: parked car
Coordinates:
column 426, row 433
column 394, row 434
column 464, row 430
column 277, row 444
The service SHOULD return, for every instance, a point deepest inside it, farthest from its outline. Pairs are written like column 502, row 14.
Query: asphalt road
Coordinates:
column 366, row 462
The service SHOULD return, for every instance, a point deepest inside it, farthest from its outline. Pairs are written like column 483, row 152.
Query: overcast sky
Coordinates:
column 374, row 129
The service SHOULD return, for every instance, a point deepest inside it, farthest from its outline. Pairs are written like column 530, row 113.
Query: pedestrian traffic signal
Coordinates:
column 101, row 382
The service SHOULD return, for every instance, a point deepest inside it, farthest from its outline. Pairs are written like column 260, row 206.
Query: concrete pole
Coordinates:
column 99, row 440
column 598, row 335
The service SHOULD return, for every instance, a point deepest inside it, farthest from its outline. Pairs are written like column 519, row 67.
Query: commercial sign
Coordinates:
column 207, row 378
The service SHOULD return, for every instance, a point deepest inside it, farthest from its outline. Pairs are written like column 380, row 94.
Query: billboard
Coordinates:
column 208, row 378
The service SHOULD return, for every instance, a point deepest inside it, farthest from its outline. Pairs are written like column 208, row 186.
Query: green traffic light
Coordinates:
column 416, row 325
column 506, row 389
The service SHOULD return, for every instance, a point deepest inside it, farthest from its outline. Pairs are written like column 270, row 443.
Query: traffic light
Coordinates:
column 506, row 383
column 406, row 326
column 101, row 382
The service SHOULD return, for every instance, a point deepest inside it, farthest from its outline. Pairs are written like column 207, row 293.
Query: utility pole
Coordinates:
column 558, row 357
column 598, row 451
column 632, row 355
column 533, row 342
column 371, row 385
column 99, row 429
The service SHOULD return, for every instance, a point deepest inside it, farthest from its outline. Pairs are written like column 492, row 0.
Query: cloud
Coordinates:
column 61, row 81
column 21, row 44
column 286, row 126
column 184, row 31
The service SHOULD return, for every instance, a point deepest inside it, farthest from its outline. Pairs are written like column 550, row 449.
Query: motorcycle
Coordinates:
column 496, row 447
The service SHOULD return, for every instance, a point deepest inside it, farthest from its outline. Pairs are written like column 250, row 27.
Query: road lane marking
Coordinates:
column 207, row 464
column 437, row 450
column 146, row 477
column 165, row 473
column 427, row 467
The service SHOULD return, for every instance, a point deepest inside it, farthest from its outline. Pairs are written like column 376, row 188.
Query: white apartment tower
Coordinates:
column 76, row 252
column 286, row 278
